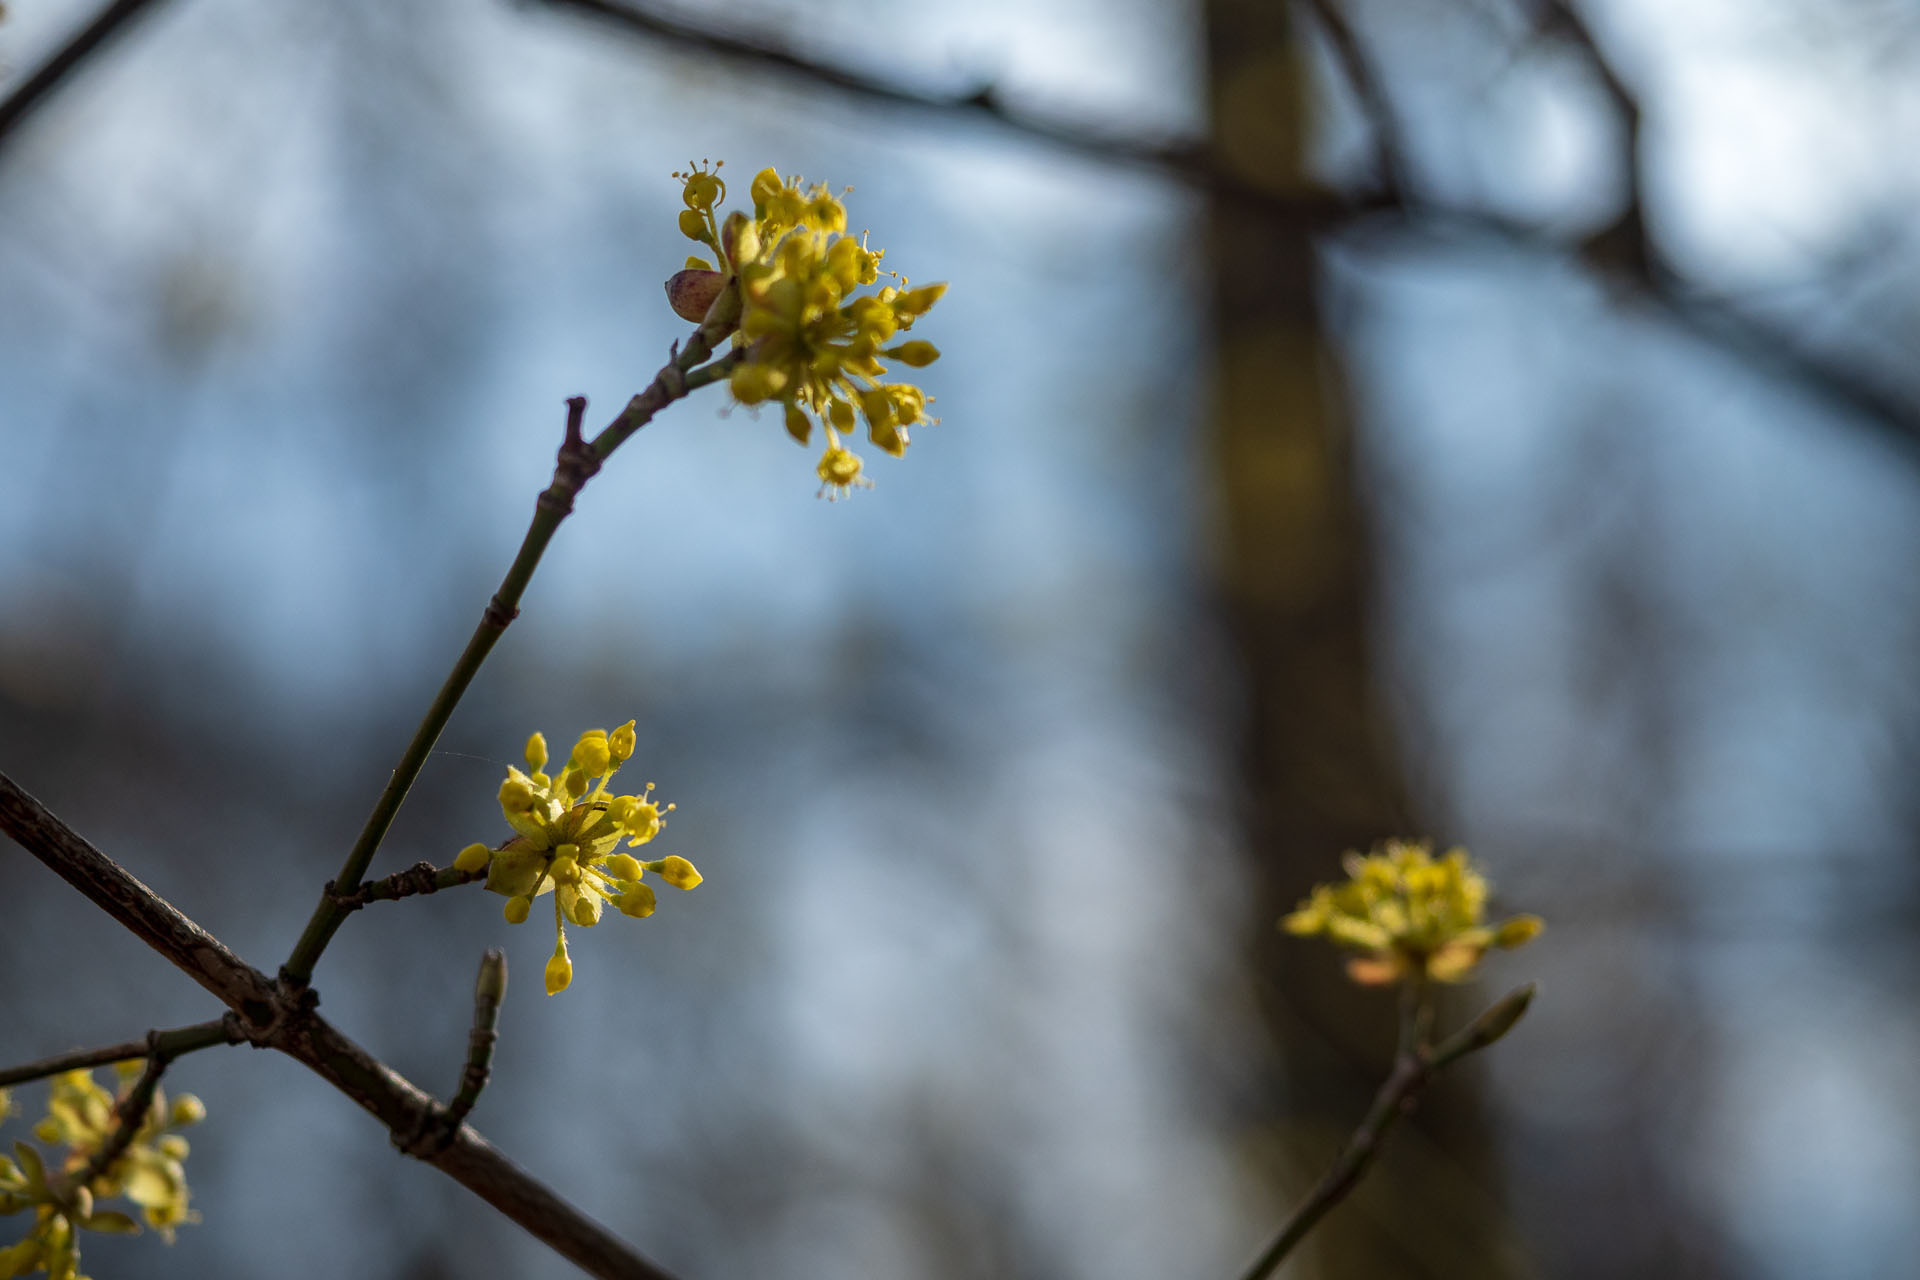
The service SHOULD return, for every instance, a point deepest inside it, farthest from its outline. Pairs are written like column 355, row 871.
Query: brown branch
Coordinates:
column 150, row 917
column 64, row 61
column 269, row 1017
column 418, row 879
column 1620, row 252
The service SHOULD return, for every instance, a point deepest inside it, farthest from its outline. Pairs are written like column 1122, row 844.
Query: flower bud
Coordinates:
column 799, row 425
column 766, row 185
column 739, row 239
column 591, row 755
column 537, row 751
column 888, row 438
column 187, row 1110
column 585, row 910
column 1500, row 1019
column 637, row 902
column 517, row 909
column 917, row 302
column 1518, row 931
column 491, row 984
column 624, row 866
column 82, row 1203
column 621, row 742
column 676, row 871
column 516, row 795
column 559, row 973
column 916, row 353
column 692, row 291
column 473, row 858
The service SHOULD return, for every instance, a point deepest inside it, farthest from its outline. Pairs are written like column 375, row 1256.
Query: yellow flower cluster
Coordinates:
column 150, row 1173
column 811, row 342
column 1414, row 915
column 570, row 826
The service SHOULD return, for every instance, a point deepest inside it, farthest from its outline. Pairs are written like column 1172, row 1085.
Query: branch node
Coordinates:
column 673, row 379
column 498, row 612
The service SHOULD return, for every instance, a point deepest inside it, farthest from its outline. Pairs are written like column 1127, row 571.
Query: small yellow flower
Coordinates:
column 150, row 1173
column 812, row 343
column 569, row 827
column 839, row 470
column 1412, row 914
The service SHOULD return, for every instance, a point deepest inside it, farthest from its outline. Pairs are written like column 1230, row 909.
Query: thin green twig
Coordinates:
column 578, row 461
column 1414, row 1065
column 488, row 990
column 440, row 1125
column 174, row 1043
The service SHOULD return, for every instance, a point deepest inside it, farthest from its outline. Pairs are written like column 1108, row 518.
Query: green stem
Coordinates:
column 1411, row 1071
column 578, row 461
column 1415, row 1062
column 172, row 1044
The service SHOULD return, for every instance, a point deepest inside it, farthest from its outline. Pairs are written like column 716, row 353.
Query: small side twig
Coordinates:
column 420, row 878
column 438, row 1124
column 489, row 989
column 174, row 1043
column 1414, row 1066
column 128, row 1115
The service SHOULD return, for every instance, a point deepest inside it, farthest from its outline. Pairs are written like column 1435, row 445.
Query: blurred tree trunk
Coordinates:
column 1320, row 775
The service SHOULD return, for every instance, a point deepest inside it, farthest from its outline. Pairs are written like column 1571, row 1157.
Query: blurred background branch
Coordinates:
column 1621, row 253
column 23, row 99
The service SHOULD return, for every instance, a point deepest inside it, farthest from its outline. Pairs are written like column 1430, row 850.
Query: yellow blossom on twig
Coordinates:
column 1413, row 915
column 570, row 825
column 811, row 343
column 150, row 1172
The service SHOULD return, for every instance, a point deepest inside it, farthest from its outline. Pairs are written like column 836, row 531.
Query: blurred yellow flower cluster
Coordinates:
column 1414, row 915
column 570, row 826
column 812, row 343
column 150, row 1173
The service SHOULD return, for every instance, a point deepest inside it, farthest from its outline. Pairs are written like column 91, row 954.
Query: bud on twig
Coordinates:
column 1488, row 1027
column 491, row 986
